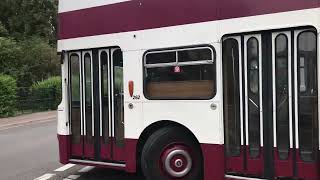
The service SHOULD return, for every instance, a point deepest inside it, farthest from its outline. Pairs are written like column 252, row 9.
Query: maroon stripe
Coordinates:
column 147, row 14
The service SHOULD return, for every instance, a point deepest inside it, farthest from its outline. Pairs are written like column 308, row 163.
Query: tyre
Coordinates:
column 170, row 153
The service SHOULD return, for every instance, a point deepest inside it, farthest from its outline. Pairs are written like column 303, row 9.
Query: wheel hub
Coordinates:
column 177, row 161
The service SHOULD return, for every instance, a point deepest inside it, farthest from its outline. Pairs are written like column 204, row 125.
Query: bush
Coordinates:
column 8, row 87
column 46, row 95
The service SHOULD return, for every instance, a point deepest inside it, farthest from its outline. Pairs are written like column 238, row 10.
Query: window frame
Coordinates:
column 237, row 115
column 177, row 49
column 276, row 58
column 105, row 117
column 315, row 155
column 78, row 54
column 250, row 102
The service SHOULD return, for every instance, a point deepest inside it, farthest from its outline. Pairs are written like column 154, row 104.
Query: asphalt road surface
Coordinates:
column 30, row 151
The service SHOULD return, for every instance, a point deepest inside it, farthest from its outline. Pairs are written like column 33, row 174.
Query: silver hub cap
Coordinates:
column 186, row 162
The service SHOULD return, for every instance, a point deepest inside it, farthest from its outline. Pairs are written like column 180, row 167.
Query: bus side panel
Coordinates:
column 131, row 158
column 213, row 161
column 133, row 116
column 64, row 148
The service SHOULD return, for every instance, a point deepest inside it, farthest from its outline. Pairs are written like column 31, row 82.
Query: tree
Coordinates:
column 10, row 54
column 27, row 18
column 40, row 61
column 8, row 89
column 28, row 40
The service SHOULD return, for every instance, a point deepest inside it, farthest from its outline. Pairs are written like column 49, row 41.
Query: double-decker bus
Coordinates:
column 191, row 89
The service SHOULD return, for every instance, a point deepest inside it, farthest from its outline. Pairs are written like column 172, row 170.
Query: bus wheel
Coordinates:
column 170, row 153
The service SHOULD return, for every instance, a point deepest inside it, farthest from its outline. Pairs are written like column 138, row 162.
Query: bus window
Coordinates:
column 118, row 100
column 231, row 97
column 105, row 95
column 161, row 57
column 200, row 54
column 308, row 95
column 191, row 77
column 75, row 98
column 88, row 97
column 253, row 97
column 282, row 96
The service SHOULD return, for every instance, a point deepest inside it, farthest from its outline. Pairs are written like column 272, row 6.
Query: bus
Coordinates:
column 191, row 90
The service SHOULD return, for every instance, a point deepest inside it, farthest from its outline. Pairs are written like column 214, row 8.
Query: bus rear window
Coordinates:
column 192, row 76
column 162, row 57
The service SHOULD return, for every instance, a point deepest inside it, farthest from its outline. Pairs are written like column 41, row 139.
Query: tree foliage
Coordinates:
column 49, row 89
column 28, row 40
column 8, row 89
column 27, row 18
column 10, row 53
column 40, row 61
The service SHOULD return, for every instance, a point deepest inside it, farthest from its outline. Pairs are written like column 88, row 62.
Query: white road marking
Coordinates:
column 45, row 177
column 86, row 169
column 73, row 177
column 65, row 167
column 244, row 178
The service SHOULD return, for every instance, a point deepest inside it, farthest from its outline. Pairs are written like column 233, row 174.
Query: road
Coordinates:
column 29, row 151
